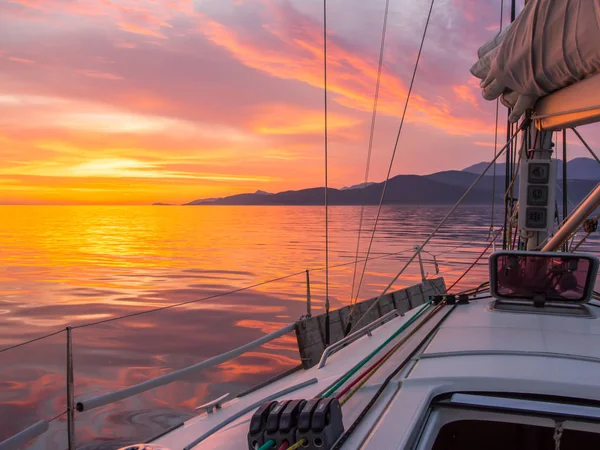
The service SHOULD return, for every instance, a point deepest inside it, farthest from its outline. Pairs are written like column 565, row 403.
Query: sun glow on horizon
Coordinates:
column 136, row 102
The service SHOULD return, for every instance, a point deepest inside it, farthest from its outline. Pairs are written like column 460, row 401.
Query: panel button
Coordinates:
column 538, row 173
column 536, row 218
column 537, row 195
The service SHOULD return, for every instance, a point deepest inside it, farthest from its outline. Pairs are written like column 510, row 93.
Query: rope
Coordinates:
column 475, row 262
column 371, row 136
column 298, row 444
column 267, row 445
column 31, row 340
column 588, row 233
column 340, row 442
column 284, row 445
column 362, row 379
column 408, row 95
column 326, row 174
column 337, row 384
column 456, row 205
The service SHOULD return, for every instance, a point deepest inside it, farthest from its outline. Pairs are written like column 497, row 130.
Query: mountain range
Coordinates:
column 435, row 189
column 577, row 169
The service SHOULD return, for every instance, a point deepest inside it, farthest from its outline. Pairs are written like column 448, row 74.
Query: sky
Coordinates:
column 142, row 101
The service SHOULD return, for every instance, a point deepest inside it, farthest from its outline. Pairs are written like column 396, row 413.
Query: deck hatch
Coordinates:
column 538, row 278
column 527, row 406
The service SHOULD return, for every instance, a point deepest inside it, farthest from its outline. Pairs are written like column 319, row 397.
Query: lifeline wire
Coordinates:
column 408, row 95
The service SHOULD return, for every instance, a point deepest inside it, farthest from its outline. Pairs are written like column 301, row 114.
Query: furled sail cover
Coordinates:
column 551, row 45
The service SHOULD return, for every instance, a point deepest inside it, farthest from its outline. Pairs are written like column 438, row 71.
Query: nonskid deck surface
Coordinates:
column 337, row 364
column 461, row 348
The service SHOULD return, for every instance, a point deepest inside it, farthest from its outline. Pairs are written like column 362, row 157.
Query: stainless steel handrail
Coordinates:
column 354, row 336
column 112, row 397
column 591, row 202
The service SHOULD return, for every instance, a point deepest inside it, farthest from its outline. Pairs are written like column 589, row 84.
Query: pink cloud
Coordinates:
column 21, row 60
column 102, row 75
column 140, row 29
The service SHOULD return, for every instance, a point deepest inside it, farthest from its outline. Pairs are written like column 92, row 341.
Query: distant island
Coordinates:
column 439, row 188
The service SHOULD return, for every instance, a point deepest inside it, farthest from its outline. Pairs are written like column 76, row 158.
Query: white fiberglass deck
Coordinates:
column 474, row 349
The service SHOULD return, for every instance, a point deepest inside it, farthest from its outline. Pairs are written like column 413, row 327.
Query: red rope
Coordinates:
column 284, row 445
column 362, row 375
column 476, row 261
column 379, row 361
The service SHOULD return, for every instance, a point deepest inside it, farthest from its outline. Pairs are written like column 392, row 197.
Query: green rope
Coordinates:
column 267, row 445
column 330, row 390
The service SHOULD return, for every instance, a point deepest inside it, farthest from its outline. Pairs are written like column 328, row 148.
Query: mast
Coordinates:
column 508, row 201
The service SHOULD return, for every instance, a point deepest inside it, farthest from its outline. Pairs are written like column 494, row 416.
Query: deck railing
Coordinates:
column 20, row 439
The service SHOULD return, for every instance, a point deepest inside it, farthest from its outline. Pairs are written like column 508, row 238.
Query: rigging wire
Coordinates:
column 371, row 136
column 565, row 207
column 508, row 168
column 57, row 416
column 408, row 95
column 39, row 338
column 327, row 324
column 174, row 305
column 523, row 125
column 585, row 144
column 496, row 138
column 475, row 262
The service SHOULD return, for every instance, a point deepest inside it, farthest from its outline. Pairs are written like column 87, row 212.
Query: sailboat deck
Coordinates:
column 465, row 348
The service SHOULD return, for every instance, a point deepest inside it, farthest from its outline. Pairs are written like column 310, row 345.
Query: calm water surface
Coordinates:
column 70, row 266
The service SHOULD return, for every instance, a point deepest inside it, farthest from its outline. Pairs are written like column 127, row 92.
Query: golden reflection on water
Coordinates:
column 72, row 265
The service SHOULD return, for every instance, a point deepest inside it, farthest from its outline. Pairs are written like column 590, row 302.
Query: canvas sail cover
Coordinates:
column 551, row 45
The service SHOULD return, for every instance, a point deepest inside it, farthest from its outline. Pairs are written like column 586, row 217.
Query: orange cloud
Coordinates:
column 288, row 119
column 484, row 144
column 466, row 94
column 292, row 49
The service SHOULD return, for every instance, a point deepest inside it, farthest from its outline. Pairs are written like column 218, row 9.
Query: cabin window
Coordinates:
column 489, row 435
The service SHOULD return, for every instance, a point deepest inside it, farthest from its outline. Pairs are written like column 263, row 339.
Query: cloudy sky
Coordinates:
column 137, row 101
